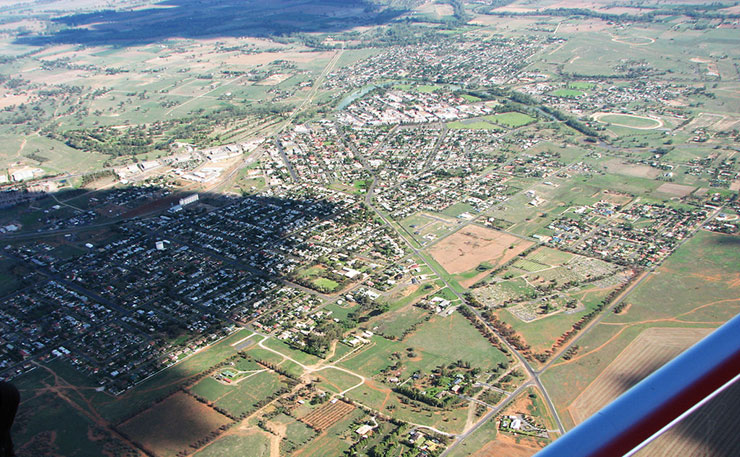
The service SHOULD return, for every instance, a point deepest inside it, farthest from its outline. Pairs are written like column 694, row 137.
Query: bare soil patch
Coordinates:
column 703, row 120
column 505, row 445
column 677, row 190
column 473, row 245
column 274, row 80
column 616, row 198
column 639, row 171
column 649, row 351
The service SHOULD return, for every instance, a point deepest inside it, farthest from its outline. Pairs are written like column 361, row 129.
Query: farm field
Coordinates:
column 37, row 431
column 189, row 421
column 327, row 415
column 649, row 351
column 699, row 433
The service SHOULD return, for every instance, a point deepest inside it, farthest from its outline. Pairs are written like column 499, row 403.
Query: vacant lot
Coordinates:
column 639, row 171
column 171, row 426
column 474, row 245
column 648, row 352
column 509, row 446
column 675, row 190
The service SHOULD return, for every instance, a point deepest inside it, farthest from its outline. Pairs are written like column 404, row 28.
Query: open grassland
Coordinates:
column 509, row 446
column 473, row 245
column 38, row 429
column 700, row 282
column 236, row 443
column 649, row 351
column 172, row 425
column 394, row 324
column 478, row 440
column 434, row 343
column 299, row 356
column 382, row 398
column 335, row 380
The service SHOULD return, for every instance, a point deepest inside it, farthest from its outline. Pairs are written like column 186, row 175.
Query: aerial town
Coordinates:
column 443, row 228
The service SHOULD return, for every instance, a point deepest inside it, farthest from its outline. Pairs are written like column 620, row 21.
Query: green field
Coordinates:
column 383, row 399
column 567, row 93
column 512, row 119
column 470, row 98
column 240, row 397
column 581, row 85
column 335, row 380
column 257, row 443
column 325, row 284
column 284, row 349
column 392, row 325
column 457, row 209
column 436, row 342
